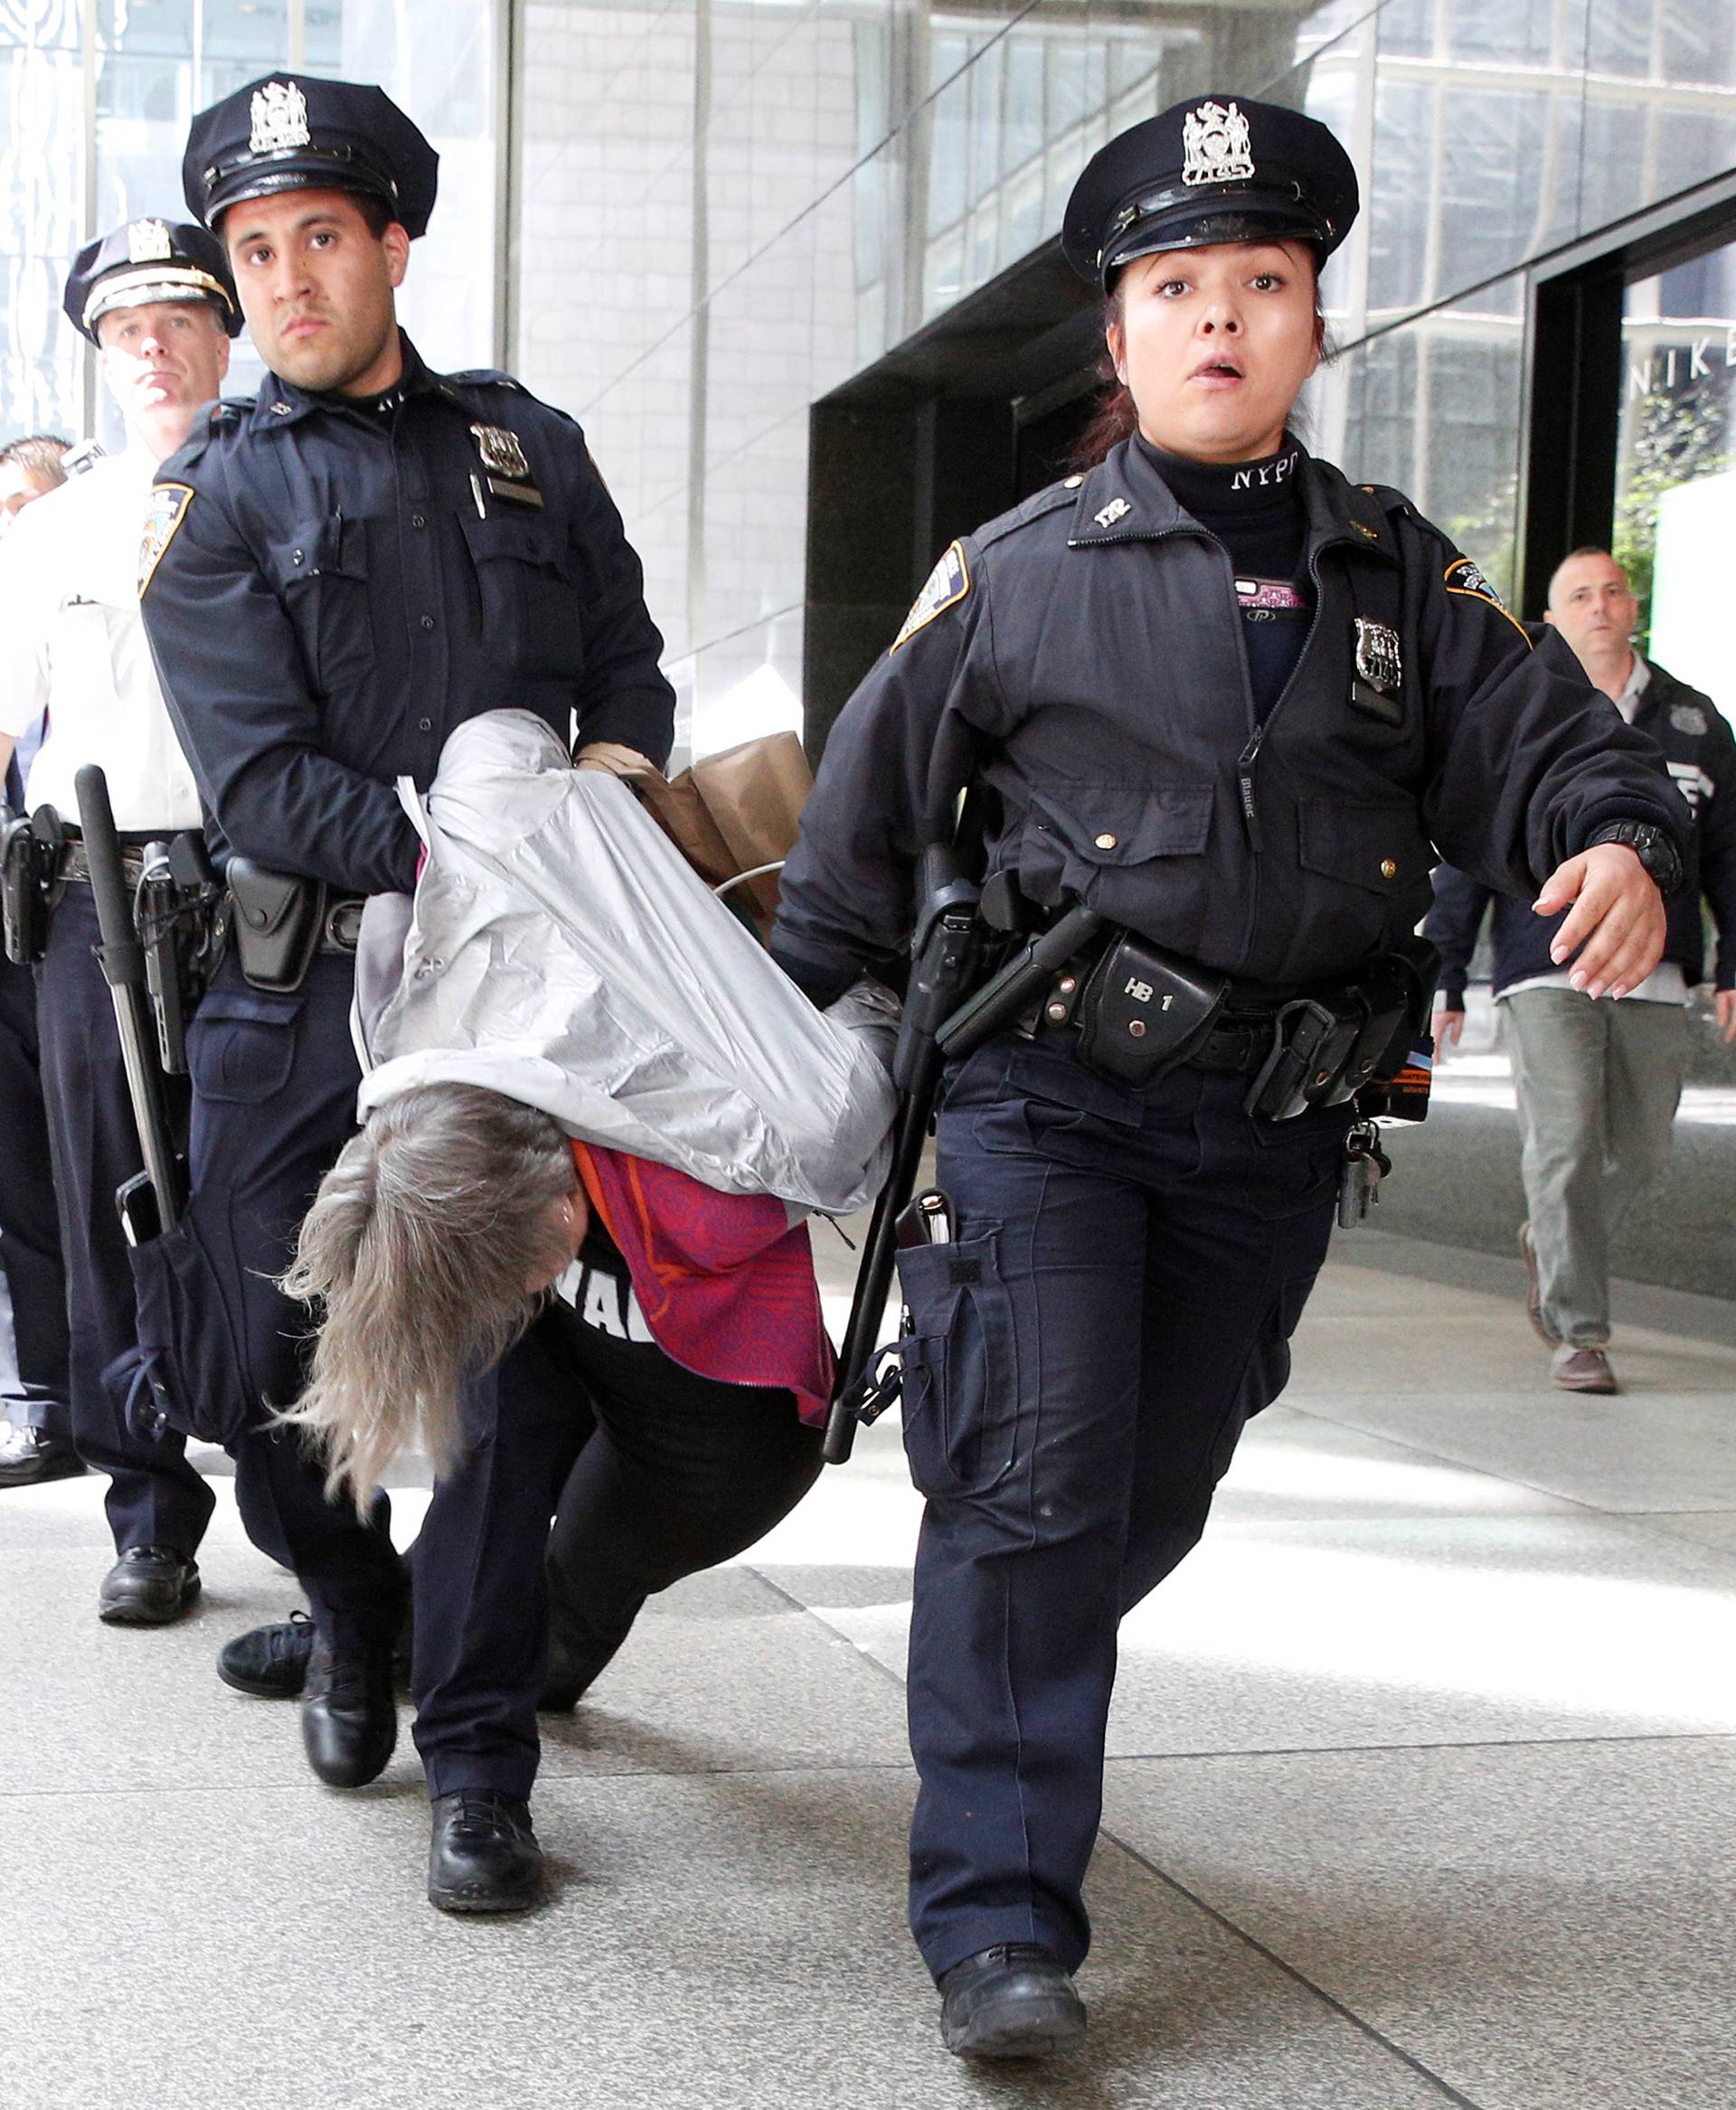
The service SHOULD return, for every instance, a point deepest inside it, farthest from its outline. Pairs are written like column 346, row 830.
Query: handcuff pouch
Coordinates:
column 278, row 920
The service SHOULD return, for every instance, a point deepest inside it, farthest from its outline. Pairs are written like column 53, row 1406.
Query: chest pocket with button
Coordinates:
column 320, row 571
column 526, row 586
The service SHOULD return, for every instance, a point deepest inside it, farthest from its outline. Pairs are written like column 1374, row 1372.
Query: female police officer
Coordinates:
column 1228, row 700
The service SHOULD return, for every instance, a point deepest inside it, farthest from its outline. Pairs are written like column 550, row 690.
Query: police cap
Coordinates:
column 293, row 132
column 1217, row 168
column 147, row 260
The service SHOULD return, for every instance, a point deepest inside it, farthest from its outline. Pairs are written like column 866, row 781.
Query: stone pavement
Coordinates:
column 1421, row 1790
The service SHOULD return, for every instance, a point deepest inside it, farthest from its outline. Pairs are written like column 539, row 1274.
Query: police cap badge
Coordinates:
column 1217, row 168
column 296, row 132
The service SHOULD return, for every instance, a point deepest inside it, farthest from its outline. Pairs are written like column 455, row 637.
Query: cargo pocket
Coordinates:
column 241, row 1046
column 188, row 1356
column 960, row 1368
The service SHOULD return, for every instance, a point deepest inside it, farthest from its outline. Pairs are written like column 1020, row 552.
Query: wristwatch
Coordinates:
column 1654, row 848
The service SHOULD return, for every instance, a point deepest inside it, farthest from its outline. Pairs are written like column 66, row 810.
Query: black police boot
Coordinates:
column 1012, row 2002
column 578, row 1654
column 30, row 1455
column 269, row 1661
column 349, row 1717
column 148, row 1586
column 483, row 1855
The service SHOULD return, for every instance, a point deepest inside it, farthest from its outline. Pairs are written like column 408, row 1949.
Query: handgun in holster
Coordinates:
column 276, row 924
column 175, row 914
column 33, row 853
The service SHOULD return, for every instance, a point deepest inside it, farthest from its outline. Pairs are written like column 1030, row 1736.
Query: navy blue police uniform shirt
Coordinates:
column 331, row 587
column 1085, row 657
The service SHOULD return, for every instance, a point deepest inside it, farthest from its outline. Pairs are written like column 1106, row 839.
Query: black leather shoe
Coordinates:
column 270, row 1661
column 1014, row 2001
column 30, row 1455
column 349, row 1718
column 148, row 1586
column 483, row 1855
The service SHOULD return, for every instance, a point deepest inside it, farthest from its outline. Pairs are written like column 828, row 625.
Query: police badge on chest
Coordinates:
column 1377, row 685
column 505, row 470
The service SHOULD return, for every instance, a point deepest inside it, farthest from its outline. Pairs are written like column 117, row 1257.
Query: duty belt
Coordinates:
column 76, row 866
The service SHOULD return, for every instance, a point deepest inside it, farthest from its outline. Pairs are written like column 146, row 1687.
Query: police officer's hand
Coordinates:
column 1448, row 1025
column 1617, row 918
column 1724, row 1004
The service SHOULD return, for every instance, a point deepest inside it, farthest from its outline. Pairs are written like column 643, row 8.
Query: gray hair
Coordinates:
column 418, row 1251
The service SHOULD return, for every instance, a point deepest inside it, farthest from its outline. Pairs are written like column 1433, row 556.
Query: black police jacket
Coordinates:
column 1083, row 655
column 1700, row 753
column 329, row 591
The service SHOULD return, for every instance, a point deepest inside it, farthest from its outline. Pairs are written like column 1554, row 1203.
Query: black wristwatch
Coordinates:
column 1655, row 850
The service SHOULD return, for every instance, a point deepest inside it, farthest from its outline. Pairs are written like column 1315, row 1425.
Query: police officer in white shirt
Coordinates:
column 158, row 302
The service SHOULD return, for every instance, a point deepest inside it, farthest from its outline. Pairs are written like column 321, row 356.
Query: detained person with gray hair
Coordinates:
column 566, row 1251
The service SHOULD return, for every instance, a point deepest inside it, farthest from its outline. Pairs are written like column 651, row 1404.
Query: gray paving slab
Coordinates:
column 1710, row 1528
column 734, row 1942
column 1546, row 1927
column 91, row 1706
column 1490, row 1350
column 1362, row 1632
column 1634, row 1452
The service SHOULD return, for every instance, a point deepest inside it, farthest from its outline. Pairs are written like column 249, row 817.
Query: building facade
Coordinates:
column 791, row 262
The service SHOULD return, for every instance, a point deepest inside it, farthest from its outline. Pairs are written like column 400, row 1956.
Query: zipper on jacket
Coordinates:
column 1250, row 754
column 1245, row 762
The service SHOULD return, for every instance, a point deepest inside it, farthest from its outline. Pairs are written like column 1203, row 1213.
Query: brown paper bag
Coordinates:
column 755, row 794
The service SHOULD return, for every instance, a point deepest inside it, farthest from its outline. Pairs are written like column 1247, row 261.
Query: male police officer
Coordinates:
column 338, row 575
column 158, row 303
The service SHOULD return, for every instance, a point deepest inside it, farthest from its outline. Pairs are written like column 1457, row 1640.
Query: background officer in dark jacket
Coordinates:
column 336, row 575
column 1230, row 702
column 1597, row 1084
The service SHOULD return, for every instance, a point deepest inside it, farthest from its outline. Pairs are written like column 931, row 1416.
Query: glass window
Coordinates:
column 1675, row 470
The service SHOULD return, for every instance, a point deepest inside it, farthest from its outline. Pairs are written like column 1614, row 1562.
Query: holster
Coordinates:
column 277, row 924
column 1330, row 1045
column 182, row 934
column 1143, row 1009
column 33, row 852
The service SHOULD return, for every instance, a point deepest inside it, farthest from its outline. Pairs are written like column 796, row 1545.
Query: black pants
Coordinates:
column 1128, row 1270
column 275, row 1080
column 672, row 1473
column 33, row 1381
column 155, row 1498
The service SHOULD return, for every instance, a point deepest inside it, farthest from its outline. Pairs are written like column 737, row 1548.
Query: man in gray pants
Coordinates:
column 1597, row 1082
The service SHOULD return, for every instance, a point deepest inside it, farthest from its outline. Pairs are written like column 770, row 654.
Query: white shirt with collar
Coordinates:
column 73, row 643
column 1667, row 983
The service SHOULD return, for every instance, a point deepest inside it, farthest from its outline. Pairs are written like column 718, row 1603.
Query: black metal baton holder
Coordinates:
column 939, row 1025
column 151, row 1201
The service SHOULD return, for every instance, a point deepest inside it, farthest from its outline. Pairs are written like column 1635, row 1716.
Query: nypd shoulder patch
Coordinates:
column 167, row 509
column 1464, row 577
column 948, row 583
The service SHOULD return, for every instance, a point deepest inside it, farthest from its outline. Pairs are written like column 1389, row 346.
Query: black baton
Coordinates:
column 940, row 1024
column 122, row 958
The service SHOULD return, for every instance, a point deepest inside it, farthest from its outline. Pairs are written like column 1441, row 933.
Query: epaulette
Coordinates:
column 1049, row 499
column 223, row 417
column 489, row 377
column 1387, row 498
